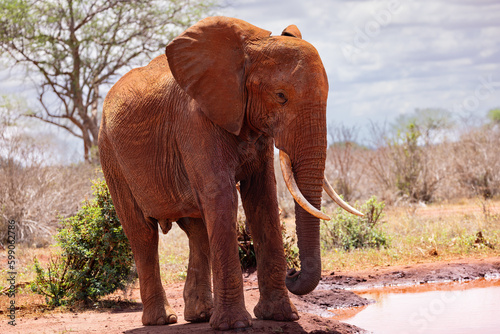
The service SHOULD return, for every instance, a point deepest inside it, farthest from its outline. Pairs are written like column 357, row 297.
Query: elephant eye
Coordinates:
column 281, row 98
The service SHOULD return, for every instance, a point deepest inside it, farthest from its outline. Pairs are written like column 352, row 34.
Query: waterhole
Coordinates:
column 441, row 308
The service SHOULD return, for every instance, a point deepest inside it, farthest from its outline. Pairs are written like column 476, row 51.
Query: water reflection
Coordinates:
column 441, row 308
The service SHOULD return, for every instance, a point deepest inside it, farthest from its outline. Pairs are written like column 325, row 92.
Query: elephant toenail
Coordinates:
column 294, row 317
column 224, row 326
column 172, row 319
column 160, row 321
column 240, row 324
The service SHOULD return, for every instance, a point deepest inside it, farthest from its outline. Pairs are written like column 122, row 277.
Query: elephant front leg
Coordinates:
column 198, row 299
column 220, row 208
column 261, row 209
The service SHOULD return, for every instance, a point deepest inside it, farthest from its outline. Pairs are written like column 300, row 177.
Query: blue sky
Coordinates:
column 386, row 58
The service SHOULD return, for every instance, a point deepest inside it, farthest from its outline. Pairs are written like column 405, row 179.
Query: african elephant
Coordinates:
column 177, row 136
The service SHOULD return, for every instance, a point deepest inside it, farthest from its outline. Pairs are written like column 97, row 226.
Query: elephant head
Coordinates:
column 245, row 80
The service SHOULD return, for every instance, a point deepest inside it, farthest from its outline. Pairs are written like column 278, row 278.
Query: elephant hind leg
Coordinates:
column 142, row 234
column 197, row 289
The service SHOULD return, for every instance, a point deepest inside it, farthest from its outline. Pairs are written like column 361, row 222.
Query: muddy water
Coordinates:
column 441, row 308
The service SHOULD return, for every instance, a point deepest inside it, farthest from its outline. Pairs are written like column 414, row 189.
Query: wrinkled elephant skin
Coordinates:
column 177, row 136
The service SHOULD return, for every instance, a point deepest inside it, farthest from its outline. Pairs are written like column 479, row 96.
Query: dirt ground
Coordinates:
column 335, row 291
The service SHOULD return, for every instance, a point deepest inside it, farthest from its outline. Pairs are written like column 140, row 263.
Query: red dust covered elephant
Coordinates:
column 177, row 136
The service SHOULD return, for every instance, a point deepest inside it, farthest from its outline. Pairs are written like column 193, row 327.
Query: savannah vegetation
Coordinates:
column 429, row 183
column 95, row 258
column 422, row 201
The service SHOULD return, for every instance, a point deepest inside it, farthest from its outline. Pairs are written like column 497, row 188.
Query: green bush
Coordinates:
column 248, row 259
column 96, row 258
column 346, row 231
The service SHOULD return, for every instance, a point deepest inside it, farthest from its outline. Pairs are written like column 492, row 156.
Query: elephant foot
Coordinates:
column 158, row 316
column 198, row 311
column 231, row 317
column 279, row 309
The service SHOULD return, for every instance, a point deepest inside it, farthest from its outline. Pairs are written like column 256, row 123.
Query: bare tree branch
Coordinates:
column 56, row 124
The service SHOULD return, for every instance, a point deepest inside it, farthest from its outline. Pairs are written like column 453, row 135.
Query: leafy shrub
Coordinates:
column 291, row 250
column 248, row 259
column 347, row 231
column 96, row 258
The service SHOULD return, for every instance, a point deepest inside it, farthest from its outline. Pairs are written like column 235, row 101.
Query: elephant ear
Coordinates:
column 292, row 31
column 208, row 62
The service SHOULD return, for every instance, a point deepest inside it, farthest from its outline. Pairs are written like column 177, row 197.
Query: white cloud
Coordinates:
column 384, row 58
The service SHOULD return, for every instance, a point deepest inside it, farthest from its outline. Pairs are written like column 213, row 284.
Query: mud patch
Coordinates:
column 320, row 302
column 413, row 275
column 335, row 292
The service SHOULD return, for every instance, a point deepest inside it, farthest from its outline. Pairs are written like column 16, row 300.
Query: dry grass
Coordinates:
column 174, row 255
column 35, row 196
column 24, row 262
column 436, row 232
column 26, row 301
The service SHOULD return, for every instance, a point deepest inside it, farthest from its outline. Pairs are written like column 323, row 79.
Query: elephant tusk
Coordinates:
column 286, row 169
column 329, row 190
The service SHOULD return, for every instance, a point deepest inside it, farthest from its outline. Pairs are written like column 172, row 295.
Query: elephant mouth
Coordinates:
column 286, row 169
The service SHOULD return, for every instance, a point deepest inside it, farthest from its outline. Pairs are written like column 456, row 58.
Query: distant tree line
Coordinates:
column 425, row 156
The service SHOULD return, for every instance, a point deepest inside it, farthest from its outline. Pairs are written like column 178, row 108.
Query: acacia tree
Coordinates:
column 73, row 49
column 494, row 115
column 415, row 148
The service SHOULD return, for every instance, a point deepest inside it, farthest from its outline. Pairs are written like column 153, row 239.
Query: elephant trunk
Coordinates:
column 308, row 165
column 304, row 281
